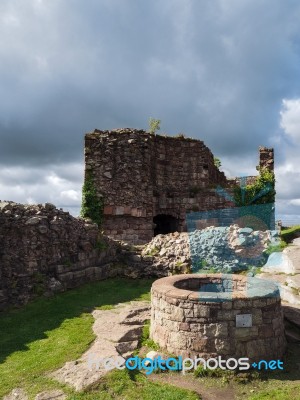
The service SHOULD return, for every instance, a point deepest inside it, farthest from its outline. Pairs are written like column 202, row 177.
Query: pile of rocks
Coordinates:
column 216, row 249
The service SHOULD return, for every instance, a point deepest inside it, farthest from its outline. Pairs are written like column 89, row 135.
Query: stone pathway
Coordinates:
column 117, row 333
column 284, row 268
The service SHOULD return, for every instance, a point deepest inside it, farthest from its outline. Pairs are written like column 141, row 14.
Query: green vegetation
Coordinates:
column 262, row 191
column 92, row 206
column 201, row 264
column 200, row 371
column 101, row 244
column 46, row 333
column 177, row 267
column 288, row 234
column 153, row 252
column 39, row 283
column 275, row 248
column 132, row 385
column 217, row 162
column 180, row 136
column 154, row 125
column 285, row 393
column 145, row 338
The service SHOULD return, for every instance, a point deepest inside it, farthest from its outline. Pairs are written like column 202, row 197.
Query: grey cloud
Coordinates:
column 216, row 70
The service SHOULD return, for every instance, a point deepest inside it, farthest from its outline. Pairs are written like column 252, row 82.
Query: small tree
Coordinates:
column 217, row 162
column 154, row 125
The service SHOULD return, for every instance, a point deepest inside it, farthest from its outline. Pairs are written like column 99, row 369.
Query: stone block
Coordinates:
column 201, row 311
column 108, row 210
column 177, row 340
column 119, row 210
column 184, row 326
column 245, row 332
column 266, row 330
column 223, row 347
column 189, row 312
column 177, row 314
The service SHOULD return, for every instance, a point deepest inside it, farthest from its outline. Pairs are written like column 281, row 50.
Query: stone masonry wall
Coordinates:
column 141, row 176
column 266, row 158
column 44, row 250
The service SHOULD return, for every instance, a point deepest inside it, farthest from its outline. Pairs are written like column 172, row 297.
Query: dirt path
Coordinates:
column 191, row 383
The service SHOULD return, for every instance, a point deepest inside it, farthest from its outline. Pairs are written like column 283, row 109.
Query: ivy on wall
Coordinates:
column 92, row 206
column 262, row 191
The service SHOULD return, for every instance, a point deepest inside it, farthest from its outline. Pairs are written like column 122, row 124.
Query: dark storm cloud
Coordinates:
column 217, row 70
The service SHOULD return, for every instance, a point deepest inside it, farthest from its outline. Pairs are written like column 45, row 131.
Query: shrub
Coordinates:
column 217, row 162
column 262, row 191
column 92, row 206
column 154, row 125
column 289, row 234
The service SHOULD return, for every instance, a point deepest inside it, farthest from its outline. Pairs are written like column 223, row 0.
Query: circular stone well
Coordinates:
column 211, row 315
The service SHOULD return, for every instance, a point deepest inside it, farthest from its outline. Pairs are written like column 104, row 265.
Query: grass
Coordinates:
column 145, row 338
column 288, row 234
column 48, row 332
column 285, row 393
column 132, row 385
column 275, row 248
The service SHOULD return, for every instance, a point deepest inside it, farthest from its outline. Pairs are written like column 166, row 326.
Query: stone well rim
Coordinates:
column 258, row 288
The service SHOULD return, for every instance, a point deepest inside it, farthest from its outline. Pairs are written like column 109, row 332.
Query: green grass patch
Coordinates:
column 286, row 393
column 133, row 385
column 145, row 338
column 276, row 248
column 46, row 333
column 289, row 234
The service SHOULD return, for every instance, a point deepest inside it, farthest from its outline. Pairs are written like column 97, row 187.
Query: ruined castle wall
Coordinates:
column 185, row 175
column 44, row 250
column 140, row 175
column 266, row 158
column 121, row 167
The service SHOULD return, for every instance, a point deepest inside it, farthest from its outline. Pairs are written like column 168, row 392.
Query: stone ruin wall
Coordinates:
column 140, row 176
column 45, row 250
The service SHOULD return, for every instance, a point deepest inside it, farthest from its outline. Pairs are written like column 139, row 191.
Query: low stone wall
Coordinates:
column 187, row 321
column 45, row 250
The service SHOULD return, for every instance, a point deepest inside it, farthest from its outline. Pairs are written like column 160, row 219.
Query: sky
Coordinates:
column 223, row 71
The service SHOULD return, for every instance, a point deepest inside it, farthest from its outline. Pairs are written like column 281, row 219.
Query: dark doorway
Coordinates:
column 165, row 224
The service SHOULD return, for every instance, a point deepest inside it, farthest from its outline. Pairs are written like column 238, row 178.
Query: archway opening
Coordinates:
column 165, row 224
